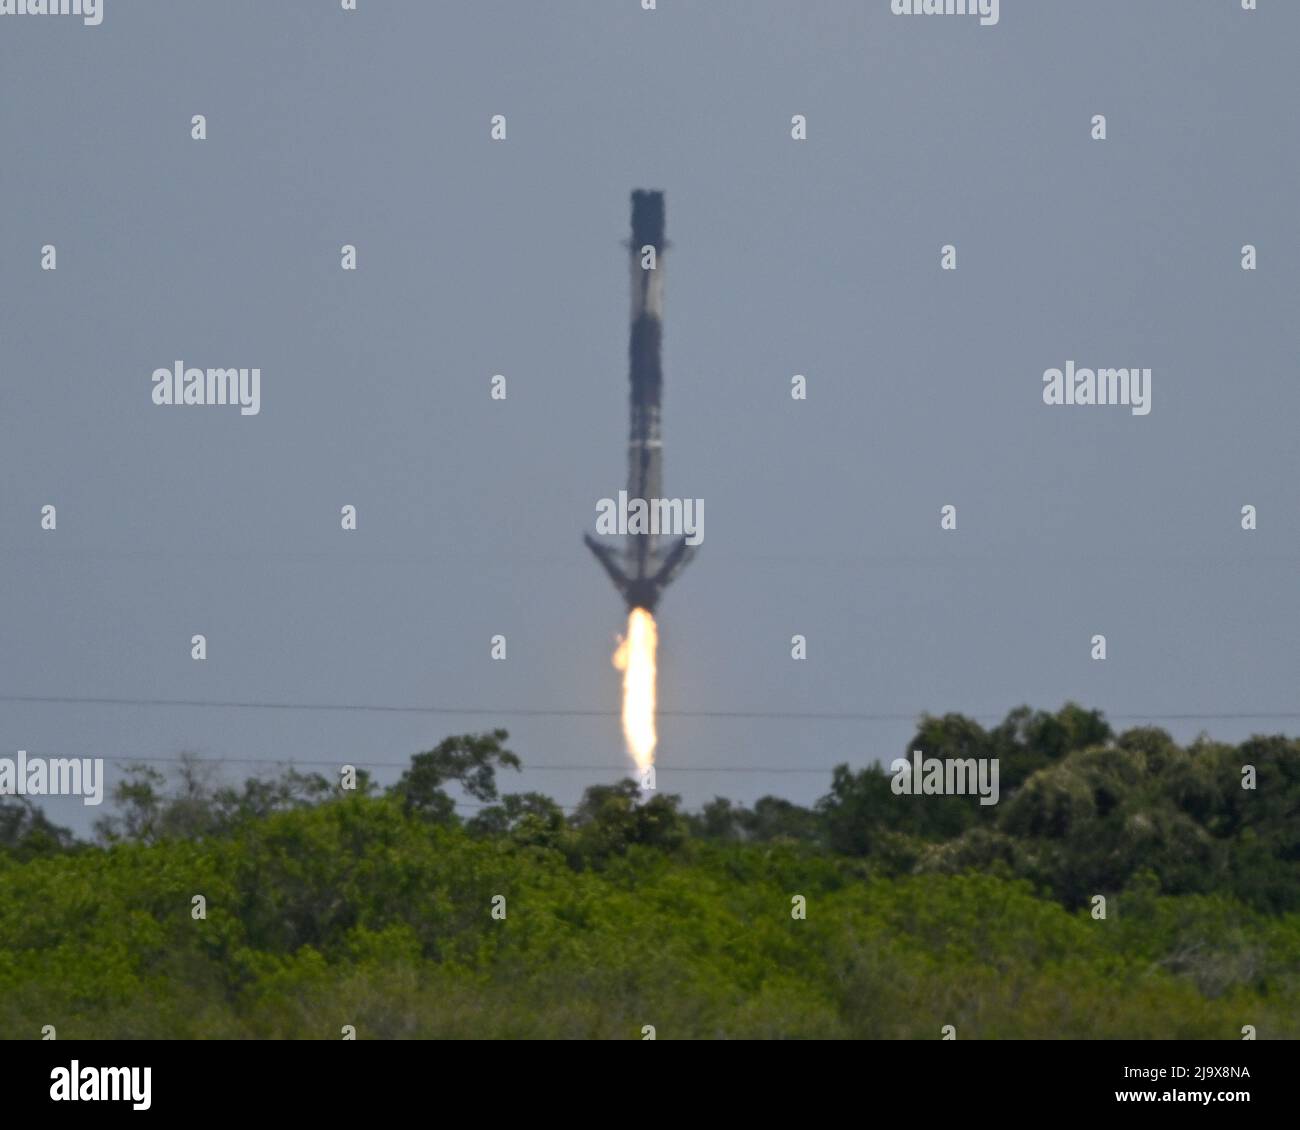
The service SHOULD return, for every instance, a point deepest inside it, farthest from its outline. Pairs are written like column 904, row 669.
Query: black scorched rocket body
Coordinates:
column 642, row 568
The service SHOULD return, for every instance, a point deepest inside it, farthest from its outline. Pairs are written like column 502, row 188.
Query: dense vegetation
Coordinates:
column 326, row 908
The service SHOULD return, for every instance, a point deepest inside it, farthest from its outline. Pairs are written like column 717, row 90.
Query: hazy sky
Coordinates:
column 478, row 257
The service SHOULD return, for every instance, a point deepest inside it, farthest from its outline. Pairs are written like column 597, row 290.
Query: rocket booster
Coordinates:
column 642, row 569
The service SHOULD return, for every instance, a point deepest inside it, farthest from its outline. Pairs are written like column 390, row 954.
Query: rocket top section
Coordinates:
column 647, row 281
column 644, row 445
column 648, row 219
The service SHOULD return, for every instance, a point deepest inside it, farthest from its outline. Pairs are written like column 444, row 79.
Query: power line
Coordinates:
column 534, row 768
column 509, row 712
column 627, row 771
column 537, row 712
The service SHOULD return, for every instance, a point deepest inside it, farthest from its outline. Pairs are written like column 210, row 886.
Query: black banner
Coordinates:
column 1221, row 1079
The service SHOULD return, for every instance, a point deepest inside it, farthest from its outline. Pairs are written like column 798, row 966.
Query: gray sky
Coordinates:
column 475, row 257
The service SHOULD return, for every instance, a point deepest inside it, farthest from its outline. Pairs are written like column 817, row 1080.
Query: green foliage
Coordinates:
column 469, row 759
column 328, row 907
column 25, row 833
column 146, row 814
column 771, row 820
column 610, row 820
column 358, row 912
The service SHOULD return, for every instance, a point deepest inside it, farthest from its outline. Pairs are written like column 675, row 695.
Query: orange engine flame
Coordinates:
column 635, row 657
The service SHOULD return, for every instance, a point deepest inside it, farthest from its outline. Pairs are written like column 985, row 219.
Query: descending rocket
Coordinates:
column 642, row 568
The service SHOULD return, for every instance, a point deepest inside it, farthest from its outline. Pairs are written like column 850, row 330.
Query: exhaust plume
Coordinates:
column 635, row 657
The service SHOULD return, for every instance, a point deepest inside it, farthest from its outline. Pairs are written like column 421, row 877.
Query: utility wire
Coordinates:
column 529, row 712
column 627, row 771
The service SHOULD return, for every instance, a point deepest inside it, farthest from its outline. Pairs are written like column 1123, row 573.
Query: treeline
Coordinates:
column 1082, row 810
column 292, row 908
